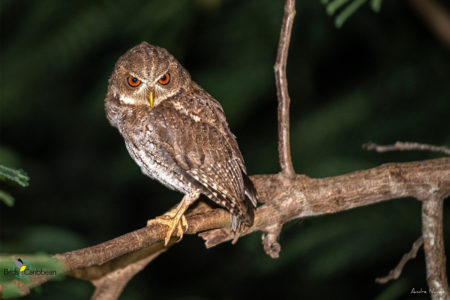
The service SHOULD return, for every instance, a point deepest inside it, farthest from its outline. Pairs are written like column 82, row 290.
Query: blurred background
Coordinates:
column 382, row 77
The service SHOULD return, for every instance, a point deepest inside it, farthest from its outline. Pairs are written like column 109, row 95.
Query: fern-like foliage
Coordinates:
column 347, row 8
column 14, row 175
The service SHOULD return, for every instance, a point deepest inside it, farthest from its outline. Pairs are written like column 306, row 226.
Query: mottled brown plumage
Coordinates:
column 177, row 133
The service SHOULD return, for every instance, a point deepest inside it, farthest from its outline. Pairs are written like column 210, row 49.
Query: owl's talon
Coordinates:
column 171, row 223
column 171, row 220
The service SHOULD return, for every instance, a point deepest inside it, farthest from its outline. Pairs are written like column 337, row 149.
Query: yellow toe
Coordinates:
column 173, row 225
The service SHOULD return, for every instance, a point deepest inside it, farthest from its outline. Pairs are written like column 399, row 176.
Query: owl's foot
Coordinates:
column 175, row 218
column 170, row 220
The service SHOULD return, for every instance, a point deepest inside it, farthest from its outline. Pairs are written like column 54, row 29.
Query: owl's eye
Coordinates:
column 164, row 79
column 133, row 81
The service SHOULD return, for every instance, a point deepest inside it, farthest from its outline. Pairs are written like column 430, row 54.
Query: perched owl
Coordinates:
column 177, row 133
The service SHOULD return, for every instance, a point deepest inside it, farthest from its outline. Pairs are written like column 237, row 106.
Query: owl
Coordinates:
column 178, row 134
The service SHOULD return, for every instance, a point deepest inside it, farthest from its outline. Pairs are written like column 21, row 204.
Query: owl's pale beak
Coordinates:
column 150, row 98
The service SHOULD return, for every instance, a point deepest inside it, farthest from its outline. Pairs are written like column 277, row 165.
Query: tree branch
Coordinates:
column 284, row 150
column 305, row 197
column 111, row 285
column 284, row 200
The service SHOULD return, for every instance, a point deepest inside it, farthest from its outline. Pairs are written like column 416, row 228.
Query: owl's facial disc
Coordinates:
column 147, row 75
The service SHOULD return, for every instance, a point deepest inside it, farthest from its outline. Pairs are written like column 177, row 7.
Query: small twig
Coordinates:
column 433, row 236
column 110, row 286
column 397, row 271
column 284, row 100
column 270, row 240
column 406, row 146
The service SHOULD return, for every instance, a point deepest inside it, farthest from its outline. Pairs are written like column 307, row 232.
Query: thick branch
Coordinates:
column 433, row 236
column 284, row 199
column 305, row 197
column 284, row 150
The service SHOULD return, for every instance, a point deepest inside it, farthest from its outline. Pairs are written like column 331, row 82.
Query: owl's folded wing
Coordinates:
column 204, row 147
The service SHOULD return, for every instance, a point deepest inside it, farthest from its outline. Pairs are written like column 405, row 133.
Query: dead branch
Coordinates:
column 397, row 271
column 284, row 200
column 284, row 150
column 305, row 197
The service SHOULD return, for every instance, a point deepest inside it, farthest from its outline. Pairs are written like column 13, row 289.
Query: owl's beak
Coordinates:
column 150, row 98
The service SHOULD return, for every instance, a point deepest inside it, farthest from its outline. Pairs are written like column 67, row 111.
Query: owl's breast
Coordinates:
column 145, row 147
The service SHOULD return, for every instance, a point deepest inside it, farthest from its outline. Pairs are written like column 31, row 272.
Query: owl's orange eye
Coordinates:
column 164, row 79
column 133, row 81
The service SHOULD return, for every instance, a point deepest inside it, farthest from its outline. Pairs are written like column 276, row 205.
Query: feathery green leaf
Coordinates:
column 6, row 198
column 18, row 176
column 376, row 5
column 347, row 12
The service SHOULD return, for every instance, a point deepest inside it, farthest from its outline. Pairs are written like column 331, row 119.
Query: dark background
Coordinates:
column 383, row 77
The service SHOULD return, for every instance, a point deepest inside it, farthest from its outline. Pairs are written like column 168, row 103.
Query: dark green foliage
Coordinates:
column 17, row 176
column 382, row 77
column 349, row 10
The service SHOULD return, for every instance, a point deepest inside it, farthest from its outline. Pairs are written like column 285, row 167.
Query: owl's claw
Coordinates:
column 175, row 218
column 170, row 219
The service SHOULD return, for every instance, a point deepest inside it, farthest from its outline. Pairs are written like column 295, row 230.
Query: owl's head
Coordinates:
column 147, row 75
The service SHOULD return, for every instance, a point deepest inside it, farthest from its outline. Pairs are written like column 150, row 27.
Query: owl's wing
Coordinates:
column 198, row 138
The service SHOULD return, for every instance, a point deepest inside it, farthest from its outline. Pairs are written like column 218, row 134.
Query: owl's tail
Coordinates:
column 250, row 192
column 250, row 201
